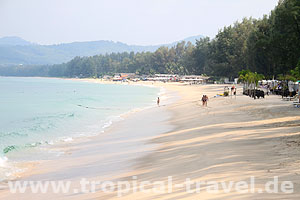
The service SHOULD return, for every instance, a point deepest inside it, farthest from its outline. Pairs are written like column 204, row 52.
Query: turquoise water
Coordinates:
column 39, row 111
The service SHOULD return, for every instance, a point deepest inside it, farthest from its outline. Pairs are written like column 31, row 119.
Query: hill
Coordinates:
column 14, row 41
column 15, row 50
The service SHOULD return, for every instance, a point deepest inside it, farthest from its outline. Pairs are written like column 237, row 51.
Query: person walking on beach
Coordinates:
column 158, row 101
column 204, row 100
column 232, row 89
column 234, row 93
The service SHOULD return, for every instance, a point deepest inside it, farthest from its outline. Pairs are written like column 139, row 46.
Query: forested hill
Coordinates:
column 14, row 50
column 268, row 46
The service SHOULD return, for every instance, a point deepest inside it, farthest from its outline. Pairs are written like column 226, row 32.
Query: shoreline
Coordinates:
column 35, row 170
column 24, row 168
column 230, row 140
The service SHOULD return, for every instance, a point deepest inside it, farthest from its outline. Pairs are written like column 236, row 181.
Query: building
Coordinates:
column 123, row 76
column 128, row 75
column 164, row 77
column 196, row 79
column 107, row 77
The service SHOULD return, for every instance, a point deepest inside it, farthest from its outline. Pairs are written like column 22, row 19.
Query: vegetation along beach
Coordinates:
column 213, row 116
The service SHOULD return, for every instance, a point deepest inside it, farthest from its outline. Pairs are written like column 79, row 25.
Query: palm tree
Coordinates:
column 243, row 77
column 250, row 79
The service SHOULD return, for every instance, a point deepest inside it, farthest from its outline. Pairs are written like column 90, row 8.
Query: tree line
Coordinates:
column 268, row 46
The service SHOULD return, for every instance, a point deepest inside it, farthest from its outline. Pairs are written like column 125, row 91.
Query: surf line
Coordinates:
column 94, row 108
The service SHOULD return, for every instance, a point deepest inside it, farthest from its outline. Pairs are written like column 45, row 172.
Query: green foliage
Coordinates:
column 296, row 72
column 287, row 77
column 247, row 76
column 268, row 46
column 243, row 75
column 174, row 60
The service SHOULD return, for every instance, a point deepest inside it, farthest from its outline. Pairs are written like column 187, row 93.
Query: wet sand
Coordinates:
column 230, row 140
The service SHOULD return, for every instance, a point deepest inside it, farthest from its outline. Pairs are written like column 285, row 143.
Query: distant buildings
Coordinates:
column 192, row 79
column 107, row 77
column 195, row 79
column 163, row 78
column 124, row 76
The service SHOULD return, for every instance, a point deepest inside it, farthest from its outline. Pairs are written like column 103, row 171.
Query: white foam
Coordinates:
column 107, row 124
column 3, row 168
column 51, row 142
column 3, row 161
column 163, row 93
column 68, row 139
column 65, row 139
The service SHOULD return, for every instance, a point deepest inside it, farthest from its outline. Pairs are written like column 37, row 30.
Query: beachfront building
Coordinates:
column 117, row 77
column 124, row 76
column 164, row 78
column 107, row 77
column 195, row 79
column 128, row 75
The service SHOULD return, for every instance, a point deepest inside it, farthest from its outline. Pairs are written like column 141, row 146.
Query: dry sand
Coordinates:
column 230, row 140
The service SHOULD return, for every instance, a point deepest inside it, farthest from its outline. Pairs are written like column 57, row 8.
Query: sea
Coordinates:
column 39, row 112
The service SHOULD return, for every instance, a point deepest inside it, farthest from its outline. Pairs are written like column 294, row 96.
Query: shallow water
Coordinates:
column 36, row 112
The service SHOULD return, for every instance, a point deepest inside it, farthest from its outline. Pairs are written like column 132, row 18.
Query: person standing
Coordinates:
column 206, row 100
column 234, row 93
column 232, row 89
column 203, row 100
column 158, row 101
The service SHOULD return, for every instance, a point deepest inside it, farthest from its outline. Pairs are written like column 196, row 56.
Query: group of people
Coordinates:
column 204, row 100
column 232, row 89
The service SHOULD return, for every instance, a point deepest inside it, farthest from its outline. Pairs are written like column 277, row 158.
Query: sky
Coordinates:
column 140, row 22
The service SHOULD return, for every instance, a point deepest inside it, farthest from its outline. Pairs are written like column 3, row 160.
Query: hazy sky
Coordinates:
column 140, row 22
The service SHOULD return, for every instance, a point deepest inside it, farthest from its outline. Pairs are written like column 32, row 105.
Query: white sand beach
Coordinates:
column 232, row 139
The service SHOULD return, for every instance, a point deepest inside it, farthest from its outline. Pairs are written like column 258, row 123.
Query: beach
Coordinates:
column 232, row 139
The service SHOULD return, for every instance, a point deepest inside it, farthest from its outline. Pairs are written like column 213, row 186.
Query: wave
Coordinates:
column 11, row 148
column 98, row 108
column 7, row 149
column 53, row 116
column 12, row 134
column 8, row 170
column 44, row 124
column 67, row 119
column 29, row 133
column 67, row 139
